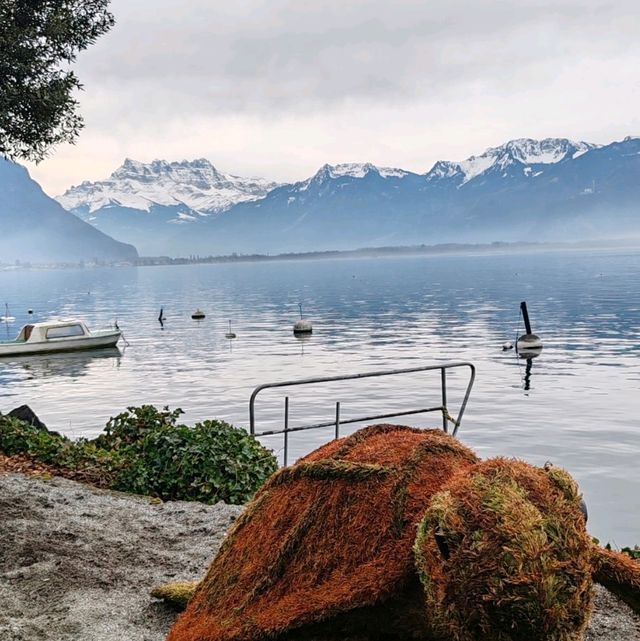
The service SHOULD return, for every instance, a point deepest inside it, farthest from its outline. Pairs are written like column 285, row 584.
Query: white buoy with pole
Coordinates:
column 230, row 334
column 528, row 344
column 302, row 326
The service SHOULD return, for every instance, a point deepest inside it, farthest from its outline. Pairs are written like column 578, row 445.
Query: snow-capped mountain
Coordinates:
column 328, row 173
column 358, row 170
column 523, row 155
column 552, row 189
column 522, row 190
column 196, row 187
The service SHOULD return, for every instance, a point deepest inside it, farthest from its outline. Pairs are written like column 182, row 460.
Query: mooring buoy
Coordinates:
column 230, row 334
column 507, row 346
column 528, row 343
column 302, row 326
column 198, row 315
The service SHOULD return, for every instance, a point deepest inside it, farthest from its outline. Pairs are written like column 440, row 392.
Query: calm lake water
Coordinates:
column 577, row 406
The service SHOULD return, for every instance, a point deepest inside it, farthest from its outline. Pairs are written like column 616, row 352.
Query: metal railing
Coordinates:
column 337, row 422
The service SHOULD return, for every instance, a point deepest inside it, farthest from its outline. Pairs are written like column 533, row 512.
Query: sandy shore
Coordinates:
column 78, row 563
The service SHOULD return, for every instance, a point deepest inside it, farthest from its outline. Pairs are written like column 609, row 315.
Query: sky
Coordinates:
column 277, row 88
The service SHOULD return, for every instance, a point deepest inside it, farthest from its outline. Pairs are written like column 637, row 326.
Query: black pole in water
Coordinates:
column 525, row 316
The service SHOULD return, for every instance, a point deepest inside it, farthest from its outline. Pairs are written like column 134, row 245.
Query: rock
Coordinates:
column 26, row 414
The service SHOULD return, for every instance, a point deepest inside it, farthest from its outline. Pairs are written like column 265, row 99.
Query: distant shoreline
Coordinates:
column 441, row 249
column 391, row 251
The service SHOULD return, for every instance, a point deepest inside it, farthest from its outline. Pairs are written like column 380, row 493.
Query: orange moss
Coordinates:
column 618, row 573
column 396, row 532
column 330, row 535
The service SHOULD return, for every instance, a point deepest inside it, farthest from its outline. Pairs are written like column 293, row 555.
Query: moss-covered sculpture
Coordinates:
column 400, row 533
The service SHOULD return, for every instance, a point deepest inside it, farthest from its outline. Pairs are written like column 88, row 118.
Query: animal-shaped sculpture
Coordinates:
column 402, row 533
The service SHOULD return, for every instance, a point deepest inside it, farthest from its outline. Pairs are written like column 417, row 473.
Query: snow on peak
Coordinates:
column 443, row 169
column 545, row 152
column 392, row 172
column 351, row 170
column 523, row 151
column 194, row 183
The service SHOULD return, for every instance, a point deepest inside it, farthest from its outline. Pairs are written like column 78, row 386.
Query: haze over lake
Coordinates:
column 580, row 409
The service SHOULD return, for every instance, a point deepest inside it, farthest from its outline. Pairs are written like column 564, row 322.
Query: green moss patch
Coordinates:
column 176, row 594
column 503, row 554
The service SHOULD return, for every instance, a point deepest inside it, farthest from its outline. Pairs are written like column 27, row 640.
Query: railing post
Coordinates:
column 337, row 421
column 472, row 378
column 286, row 429
column 443, row 383
column 252, row 412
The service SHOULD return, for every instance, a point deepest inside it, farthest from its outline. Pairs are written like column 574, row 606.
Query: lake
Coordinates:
column 575, row 405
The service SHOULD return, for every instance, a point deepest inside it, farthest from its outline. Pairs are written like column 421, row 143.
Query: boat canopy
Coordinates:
column 50, row 330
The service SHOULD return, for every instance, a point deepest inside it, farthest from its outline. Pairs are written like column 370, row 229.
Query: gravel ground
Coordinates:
column 77, row 563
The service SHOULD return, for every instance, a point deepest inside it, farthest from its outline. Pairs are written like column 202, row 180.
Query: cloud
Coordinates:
column 202, row 77
column 298, row 56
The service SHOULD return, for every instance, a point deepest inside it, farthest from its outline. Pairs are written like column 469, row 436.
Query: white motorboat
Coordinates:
column 58, row 336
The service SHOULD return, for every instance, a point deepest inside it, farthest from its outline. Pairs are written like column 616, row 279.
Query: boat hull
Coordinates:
column 74, row 344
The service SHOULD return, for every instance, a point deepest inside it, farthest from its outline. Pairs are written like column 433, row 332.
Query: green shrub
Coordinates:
column 132, row 425
column 19, row 437
column 210, row 462
column 144, row 450
column 91, row 462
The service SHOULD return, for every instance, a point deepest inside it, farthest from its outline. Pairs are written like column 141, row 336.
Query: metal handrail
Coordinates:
column 446, row 417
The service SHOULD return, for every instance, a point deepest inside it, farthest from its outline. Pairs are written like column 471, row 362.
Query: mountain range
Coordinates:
column 524, row 190
column 535, row 190
column 35, row 228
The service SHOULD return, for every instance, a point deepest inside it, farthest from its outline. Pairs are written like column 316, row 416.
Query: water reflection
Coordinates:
column 526, row 379
column 528, row 355
column 72, row 364
column 301, row 339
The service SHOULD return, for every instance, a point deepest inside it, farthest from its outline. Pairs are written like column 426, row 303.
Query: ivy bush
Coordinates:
column 212, row 461
column 131, row 426
column 20, row 437
column 144, row 450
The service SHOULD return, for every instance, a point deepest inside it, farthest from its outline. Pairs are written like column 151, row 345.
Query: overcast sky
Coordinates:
column 276, row 88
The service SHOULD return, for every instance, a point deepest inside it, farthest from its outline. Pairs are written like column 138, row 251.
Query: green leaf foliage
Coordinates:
column 209, row 462
column 38, row 41
column 132, row 425
column 144, row 450
column 633, row 552
column 19, row 437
